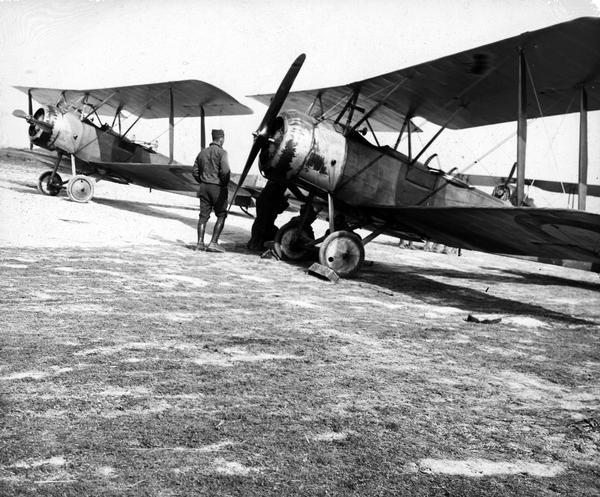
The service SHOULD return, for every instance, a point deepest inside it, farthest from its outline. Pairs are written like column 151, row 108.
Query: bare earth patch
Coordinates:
column 481, row 467
column 131, row 365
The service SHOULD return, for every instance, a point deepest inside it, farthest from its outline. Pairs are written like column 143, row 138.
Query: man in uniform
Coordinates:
column 211, row 170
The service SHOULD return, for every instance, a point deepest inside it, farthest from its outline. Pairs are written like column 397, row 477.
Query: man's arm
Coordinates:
column 196, row 169
column 225, row 172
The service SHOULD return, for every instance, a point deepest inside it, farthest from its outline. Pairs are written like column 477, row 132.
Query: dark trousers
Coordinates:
column 212, row 197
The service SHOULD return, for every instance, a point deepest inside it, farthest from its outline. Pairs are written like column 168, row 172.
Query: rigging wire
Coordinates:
column 493, row 149
column 174, row 124
column 546, row 132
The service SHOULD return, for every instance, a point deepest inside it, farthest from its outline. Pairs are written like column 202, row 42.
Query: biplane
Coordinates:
column 316, row 140
column 70, row 124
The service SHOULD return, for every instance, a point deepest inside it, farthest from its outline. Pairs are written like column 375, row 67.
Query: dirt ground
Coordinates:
column 133, row 366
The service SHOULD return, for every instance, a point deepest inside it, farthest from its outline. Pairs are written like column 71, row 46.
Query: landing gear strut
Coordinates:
column 50, row 182
column 341, row 250
column 80, row 188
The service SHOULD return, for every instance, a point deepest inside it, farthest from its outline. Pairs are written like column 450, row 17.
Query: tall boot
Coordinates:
column 214, row 246
column 201, row 231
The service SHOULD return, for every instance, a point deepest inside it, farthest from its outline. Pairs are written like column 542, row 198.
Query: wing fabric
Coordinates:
column 150, row 100
column 550, row 186
column 483, row 81
column 49, row 158
column 552, row 233
column 331, row 101
column 174, row 178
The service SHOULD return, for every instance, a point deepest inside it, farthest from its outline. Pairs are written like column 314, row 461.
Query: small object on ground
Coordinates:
column 473, row 319
column 214, row 247
column 323, row 272
column 270, row 254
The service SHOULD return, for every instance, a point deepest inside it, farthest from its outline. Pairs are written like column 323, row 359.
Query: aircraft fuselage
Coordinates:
column 320, row 155
column 69, row 134
column 94, row 145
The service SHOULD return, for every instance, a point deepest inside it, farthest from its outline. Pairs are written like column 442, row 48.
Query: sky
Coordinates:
column 245, row 47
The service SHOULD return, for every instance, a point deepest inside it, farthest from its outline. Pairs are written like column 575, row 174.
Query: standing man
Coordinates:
column 211, row 170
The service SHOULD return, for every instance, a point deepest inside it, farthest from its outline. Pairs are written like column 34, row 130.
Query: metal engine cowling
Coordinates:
column 299, row 146
column 42, row 135
column 60, row 131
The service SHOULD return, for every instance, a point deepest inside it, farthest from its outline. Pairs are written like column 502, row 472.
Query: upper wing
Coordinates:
column 331, row 101
column 149, row 101
column 483, row 81
column 552, row 233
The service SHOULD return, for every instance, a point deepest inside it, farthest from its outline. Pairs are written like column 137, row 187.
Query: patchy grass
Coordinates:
column 124, row 377
column 130, row 365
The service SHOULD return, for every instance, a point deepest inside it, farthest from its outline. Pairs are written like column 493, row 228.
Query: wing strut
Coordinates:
column 202, row 129
column 439, row 132
column 350, row 104
column 583, row 151
column 379, row 104
column 521, row 128
column 95, row 108
column 171, row 125
column 406, row 119
column 30, row 113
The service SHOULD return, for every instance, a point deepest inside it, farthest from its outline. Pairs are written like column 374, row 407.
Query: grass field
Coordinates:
column 146, row 369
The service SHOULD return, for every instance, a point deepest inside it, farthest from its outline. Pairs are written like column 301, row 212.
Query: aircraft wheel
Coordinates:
column 293, row 243
column 343, row 252
column 80, row 188
column 47, row 188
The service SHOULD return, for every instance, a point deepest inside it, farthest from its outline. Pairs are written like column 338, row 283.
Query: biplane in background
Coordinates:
column 98, row 150
column 323, row 149
column 505, row 187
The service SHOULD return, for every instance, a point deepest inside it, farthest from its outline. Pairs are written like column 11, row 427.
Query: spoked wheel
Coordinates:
column 292, row 242
column 80, row 188
column 343, row 252
column 49, row 188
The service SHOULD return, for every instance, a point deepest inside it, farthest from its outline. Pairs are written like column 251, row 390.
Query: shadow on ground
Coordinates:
column 418, row 282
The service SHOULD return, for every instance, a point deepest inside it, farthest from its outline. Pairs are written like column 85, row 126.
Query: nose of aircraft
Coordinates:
column 261, row 135
column 41, row 124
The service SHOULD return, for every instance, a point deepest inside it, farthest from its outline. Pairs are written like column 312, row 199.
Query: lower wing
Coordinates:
column 174, row 178
column 552, row 233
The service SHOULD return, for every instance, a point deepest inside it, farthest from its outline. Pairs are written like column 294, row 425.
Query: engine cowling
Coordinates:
column 300, row 146
column 56, row 130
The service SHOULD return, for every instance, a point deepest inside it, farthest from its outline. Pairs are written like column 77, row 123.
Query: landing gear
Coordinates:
column 50, row 183
column 292, row 242
column 340, row 249
column 343, row 252
column 80, row 188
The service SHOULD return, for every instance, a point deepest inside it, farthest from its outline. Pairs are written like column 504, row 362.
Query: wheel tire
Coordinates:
column 291, row 242
column 343, row 252
column 47, row 188
column 80, row 188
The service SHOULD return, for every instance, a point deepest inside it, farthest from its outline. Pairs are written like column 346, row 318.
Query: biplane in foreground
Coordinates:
column 318, row 143
column 99, row 150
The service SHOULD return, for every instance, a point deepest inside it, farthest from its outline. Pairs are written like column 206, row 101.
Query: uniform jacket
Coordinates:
column 212, row 166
